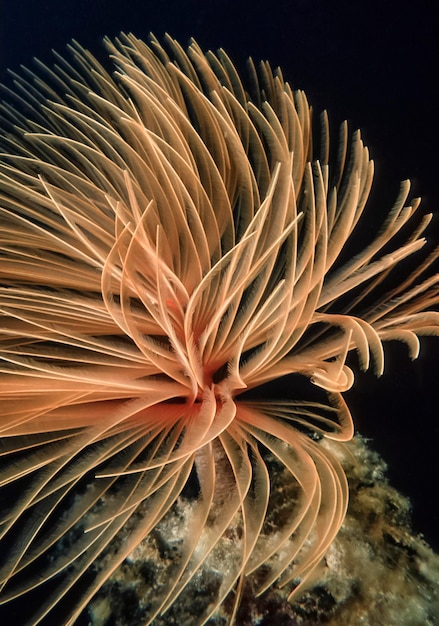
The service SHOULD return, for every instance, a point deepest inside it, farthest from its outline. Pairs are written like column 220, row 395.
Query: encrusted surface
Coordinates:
column 376, row 572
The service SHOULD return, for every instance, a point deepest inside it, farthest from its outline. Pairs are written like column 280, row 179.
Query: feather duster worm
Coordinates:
column 169, row 241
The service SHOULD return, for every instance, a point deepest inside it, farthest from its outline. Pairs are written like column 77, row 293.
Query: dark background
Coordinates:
column 373, row 63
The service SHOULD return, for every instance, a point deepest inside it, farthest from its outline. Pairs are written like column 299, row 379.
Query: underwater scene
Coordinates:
column 219, row 314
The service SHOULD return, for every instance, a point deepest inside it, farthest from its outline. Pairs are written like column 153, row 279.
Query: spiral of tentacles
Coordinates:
column 168, row 242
